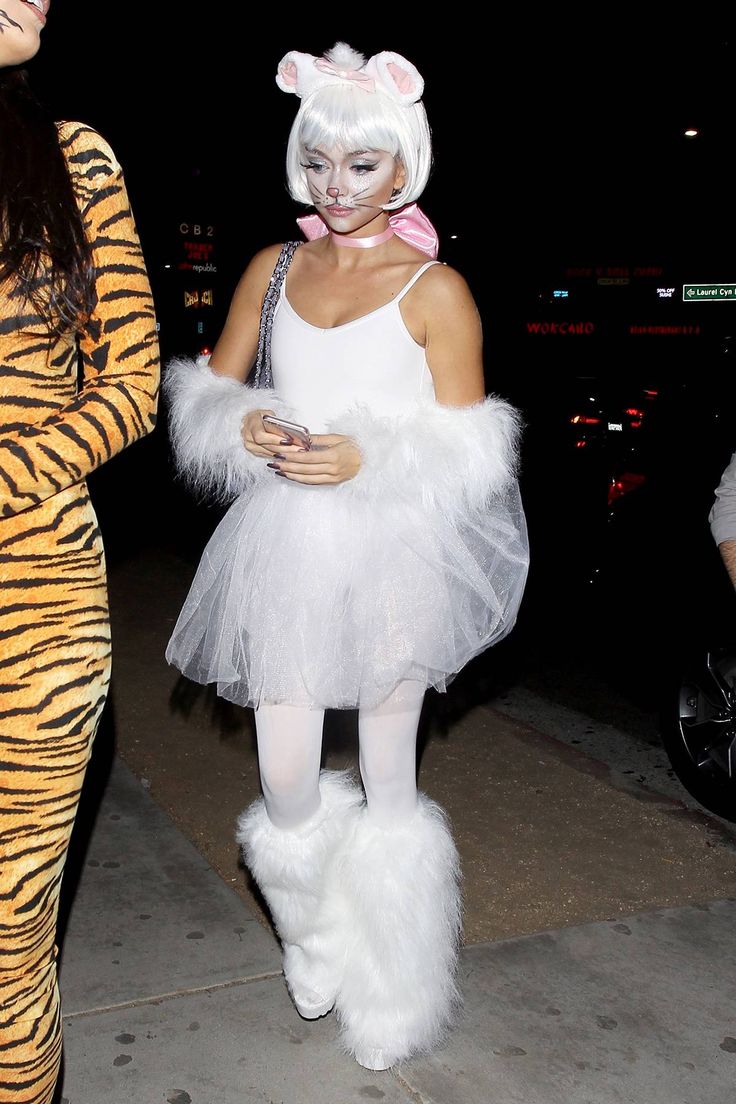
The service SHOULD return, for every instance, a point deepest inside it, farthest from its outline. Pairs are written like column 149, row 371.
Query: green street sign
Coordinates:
column 709, row 293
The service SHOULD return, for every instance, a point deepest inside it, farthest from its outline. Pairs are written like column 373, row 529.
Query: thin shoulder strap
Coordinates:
column 262, row 375
column 415, row 277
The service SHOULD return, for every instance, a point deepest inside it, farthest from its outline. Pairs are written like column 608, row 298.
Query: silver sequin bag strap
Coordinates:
column 262, row 376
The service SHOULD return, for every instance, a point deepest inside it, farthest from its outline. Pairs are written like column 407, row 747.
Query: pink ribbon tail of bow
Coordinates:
column 408, row 223
column 412, row 225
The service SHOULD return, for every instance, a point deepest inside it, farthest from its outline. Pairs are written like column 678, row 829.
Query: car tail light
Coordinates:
column 623, row 485
column 584, row 419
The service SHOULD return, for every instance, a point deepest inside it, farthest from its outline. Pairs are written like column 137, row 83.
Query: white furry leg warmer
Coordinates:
column 399, row 994
column 296, row 872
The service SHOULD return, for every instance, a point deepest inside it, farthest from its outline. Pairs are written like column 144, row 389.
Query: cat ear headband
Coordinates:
column 386, row 72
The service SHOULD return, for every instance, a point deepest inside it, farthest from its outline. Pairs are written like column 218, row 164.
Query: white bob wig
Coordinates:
column 342, row 114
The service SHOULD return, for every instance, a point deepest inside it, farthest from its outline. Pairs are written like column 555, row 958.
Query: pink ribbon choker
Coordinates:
column 362, row 243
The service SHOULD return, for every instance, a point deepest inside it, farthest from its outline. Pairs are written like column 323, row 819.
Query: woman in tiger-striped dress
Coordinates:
column 82, row 290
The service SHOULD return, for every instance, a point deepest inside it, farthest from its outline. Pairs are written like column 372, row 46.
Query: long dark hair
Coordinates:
column 44, row 252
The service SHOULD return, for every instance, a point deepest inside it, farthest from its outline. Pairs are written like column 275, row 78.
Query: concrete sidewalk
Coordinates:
column 172, row 992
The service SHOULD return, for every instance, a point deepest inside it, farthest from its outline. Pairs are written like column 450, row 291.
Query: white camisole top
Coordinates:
column 371, row 361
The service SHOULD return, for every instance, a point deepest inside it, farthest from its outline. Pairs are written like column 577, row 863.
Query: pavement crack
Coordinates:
column 160, row 997
column 413, row 1095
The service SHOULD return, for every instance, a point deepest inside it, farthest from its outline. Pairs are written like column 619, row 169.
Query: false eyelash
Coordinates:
column 319, row 165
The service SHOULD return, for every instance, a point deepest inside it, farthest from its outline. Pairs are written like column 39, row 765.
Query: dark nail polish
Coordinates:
column 281, row 473
column 273, row 466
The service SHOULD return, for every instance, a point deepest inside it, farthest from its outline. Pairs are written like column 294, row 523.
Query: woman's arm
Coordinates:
column 219, row 442
column 118, row 346
column 453, row 336
column 722, row 518
column 235, row 351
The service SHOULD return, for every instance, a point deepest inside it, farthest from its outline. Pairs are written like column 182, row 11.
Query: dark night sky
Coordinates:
column 556, row 144
column 554, row 135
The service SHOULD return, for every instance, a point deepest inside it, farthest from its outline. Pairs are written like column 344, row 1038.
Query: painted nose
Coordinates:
column 333, row 193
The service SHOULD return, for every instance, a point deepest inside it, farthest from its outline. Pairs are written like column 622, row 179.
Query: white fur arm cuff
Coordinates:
column 206, row 413
column 445, row 457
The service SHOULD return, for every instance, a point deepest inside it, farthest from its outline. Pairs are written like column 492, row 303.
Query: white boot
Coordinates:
column 399, row 994
column 295, row 871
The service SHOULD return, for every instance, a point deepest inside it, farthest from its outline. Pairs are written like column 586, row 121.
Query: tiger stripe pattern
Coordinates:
column 67, row 404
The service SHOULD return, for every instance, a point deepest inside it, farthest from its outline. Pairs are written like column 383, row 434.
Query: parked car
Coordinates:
column 699, row 729
column 619, row 476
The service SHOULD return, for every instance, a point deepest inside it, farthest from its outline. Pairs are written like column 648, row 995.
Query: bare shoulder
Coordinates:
column 442, row 287
column 254, row 281
column 263, row 263
column 443, row 299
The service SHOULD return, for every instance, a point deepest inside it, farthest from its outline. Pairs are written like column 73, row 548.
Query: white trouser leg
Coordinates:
column 400, row 876
column 290, row 839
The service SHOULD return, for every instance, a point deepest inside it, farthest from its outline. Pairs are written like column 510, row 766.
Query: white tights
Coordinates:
column 290, row 751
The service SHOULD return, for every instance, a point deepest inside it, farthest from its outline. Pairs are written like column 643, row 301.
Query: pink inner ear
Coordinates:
column 402, row 79
column 288, row 73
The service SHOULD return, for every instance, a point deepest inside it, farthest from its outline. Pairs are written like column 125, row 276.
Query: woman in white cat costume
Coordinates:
column 356, row 573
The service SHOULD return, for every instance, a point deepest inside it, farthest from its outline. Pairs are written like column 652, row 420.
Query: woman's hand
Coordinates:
column 332, row 459
column 256, row 437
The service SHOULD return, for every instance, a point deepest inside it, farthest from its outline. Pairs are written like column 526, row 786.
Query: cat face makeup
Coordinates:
column 21, row 23
column 349, row 189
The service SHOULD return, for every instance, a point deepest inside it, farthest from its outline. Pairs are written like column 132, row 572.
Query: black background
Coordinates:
column 552, row 137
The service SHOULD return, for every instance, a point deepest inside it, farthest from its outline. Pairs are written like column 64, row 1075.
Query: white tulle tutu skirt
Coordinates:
column 306, row 597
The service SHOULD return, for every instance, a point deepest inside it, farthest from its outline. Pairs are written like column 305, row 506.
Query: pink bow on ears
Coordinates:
column 408, row 223
column 357, row 75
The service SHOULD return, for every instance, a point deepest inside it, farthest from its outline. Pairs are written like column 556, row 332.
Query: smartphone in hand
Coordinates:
column 299, row 434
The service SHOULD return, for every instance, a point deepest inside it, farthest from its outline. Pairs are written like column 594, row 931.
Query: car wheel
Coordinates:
column 699, row 732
